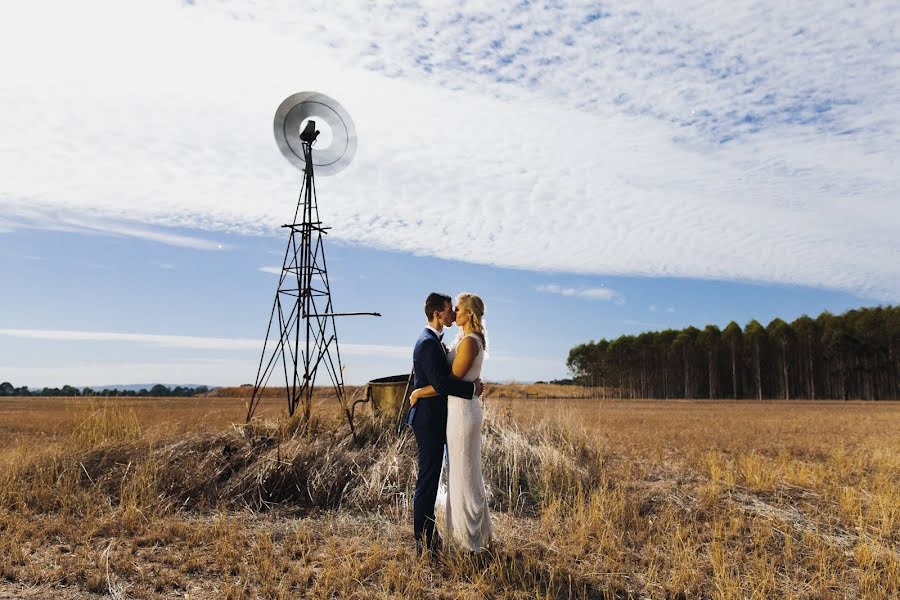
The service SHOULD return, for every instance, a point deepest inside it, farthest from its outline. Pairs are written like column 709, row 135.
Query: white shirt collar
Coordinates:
column 436, row 332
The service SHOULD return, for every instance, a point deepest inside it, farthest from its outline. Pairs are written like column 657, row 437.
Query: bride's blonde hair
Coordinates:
column 475, row 306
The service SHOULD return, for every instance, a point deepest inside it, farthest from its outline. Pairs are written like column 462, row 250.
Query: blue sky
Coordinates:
column 590, row 170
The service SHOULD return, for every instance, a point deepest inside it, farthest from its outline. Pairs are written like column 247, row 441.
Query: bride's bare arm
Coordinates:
column 466, row 353
column 422, row 392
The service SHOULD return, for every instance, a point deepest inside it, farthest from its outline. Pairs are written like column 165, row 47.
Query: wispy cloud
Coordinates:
column 271, row 270
column 648, row 324
column 231, row 372
column 162, row 237
column 67, row 219
column 750, row 141
column 187, row 342
column 588, row 293
column 165, row 341
column 217, row 361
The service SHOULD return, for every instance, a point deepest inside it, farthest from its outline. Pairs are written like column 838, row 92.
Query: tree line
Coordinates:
column 855, row 355
column 8, row 389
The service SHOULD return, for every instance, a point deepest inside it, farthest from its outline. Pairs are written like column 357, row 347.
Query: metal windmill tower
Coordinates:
column 302, row 336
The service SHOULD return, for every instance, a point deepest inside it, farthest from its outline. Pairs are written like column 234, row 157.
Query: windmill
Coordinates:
column 316, row 135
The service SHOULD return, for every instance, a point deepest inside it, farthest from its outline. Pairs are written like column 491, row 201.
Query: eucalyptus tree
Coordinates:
column 620, row 356
column 838, row 346
column 600, row 365
column 781, row 334
column 686, row 345
column 732, row 336
column 893, row 325
column 645, row 348
column 870, row 328
column 709, row 340
column 580, row 360
column 664, row 343
column 755, row 336
column 807, row 336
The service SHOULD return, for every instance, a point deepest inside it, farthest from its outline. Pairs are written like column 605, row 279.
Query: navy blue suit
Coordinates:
column 428, row 419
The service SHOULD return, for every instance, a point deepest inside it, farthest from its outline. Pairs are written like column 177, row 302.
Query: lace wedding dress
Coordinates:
column 466, row 517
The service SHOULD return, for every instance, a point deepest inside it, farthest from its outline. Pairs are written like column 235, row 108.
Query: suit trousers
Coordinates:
column 430, row 428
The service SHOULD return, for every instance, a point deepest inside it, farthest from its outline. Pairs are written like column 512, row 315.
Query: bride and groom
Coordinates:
column 445, row 409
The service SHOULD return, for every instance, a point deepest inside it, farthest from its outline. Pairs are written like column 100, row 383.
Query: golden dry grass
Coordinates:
column 159, row 498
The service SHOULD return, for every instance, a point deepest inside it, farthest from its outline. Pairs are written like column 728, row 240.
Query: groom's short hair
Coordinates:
column 436, row 302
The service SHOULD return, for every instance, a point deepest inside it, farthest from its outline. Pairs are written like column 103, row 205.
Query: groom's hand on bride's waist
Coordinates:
column 479, row 387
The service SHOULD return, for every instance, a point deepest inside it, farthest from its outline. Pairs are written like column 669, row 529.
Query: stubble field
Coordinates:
column 165, row 498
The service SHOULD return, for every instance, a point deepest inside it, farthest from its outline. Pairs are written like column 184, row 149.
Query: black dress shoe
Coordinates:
column 437, row 544
column 480, row 558
column 433, row 548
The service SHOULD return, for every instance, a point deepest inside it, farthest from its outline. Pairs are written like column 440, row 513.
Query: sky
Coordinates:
column 589, row 169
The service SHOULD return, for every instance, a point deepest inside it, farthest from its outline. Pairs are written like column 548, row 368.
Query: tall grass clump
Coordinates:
column 274, row 464
column 280, row 463
column 527, row 467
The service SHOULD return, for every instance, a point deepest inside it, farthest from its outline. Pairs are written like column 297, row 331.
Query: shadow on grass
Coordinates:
column 514, row 570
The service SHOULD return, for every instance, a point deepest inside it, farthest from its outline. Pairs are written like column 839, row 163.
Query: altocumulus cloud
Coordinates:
column 731, row 141
column 591, row 293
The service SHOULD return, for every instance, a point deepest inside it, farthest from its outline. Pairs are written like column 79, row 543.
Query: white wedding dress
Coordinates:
column 466, row 518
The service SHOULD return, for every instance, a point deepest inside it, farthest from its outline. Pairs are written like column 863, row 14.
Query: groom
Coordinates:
column 428, row 417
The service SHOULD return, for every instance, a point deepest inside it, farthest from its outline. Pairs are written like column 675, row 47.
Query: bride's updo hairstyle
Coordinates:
column 475, row 306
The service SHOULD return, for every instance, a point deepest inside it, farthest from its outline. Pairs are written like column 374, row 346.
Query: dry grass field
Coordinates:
column 175, row 498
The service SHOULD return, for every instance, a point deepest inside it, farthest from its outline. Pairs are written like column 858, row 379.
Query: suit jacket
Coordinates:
column 430, row 367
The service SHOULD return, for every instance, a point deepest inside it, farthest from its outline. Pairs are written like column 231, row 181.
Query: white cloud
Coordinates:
column 745, row 141
column 271, row 270
column 600, row 293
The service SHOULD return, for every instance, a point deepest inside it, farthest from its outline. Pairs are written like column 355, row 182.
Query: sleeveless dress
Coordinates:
column 466, row 518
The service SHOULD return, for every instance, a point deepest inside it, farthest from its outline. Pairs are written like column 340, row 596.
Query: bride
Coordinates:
column 468, row 521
